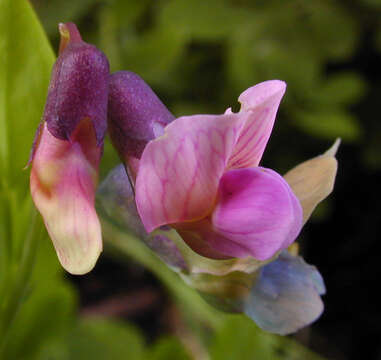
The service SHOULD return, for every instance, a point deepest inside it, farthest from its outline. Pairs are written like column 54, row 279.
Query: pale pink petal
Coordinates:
column 257, row 211
column 261, row 103
column 63, row 180
column 179, row 172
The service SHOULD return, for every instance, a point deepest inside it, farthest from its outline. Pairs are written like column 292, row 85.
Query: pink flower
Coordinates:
column 202, row 177
column 67, row 150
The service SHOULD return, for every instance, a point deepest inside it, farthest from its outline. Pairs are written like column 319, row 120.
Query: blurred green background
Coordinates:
column 198, row 55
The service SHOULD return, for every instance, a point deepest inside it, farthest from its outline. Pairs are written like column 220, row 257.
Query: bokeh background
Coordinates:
column 198, row 56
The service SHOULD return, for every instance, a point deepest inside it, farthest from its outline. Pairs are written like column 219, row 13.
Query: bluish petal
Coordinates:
column 286, row 296
column 167, row 250
column 115, row 199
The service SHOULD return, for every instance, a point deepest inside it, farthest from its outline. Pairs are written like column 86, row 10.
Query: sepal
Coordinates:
column 313, row 180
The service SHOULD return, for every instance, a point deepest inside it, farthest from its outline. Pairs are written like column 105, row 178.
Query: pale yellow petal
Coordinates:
column 312, row 181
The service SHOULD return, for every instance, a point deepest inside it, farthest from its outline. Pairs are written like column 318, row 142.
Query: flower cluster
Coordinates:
column 191, row 187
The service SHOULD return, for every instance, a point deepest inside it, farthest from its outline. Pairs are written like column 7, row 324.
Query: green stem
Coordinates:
column 135, row 248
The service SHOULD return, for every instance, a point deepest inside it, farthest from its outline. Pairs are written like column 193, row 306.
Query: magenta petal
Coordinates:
column 260, row 104
column 256, row 211
column 179, row 172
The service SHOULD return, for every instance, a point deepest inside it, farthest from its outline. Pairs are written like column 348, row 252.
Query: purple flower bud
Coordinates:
column 78, row 88
column 67, row 150
column 135, row 115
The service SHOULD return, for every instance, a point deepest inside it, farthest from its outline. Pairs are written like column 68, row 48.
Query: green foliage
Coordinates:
column 200, row 55
column 168, row 348
column 56, row 11
column 105, row 339
column 209, row 52
column 342, row 88
column 25, row 65
column 328, row 122
column 46, row 314
column 38, row 319
column 254, row 344
column 102, row 339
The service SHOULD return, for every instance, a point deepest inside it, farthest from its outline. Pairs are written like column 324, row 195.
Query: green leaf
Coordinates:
column 116, row 21
column 127, row 12
column 240, row 338
column 344, row 88
column 166, row 349
column 53, row 12
column 330, row 124
column 25, row 65
column 36, row 305
column 154, row 54
column 333, row 29
column 102, row 339
column 97, row 339
column 258, row 52
column 45, row 315
column 198, row 19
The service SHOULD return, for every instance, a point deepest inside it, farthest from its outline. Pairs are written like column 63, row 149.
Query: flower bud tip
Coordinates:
column 69, row 33
column 333, row 149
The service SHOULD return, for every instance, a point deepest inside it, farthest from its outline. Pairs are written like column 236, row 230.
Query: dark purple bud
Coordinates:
column 135, row 114
column 78, row 88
